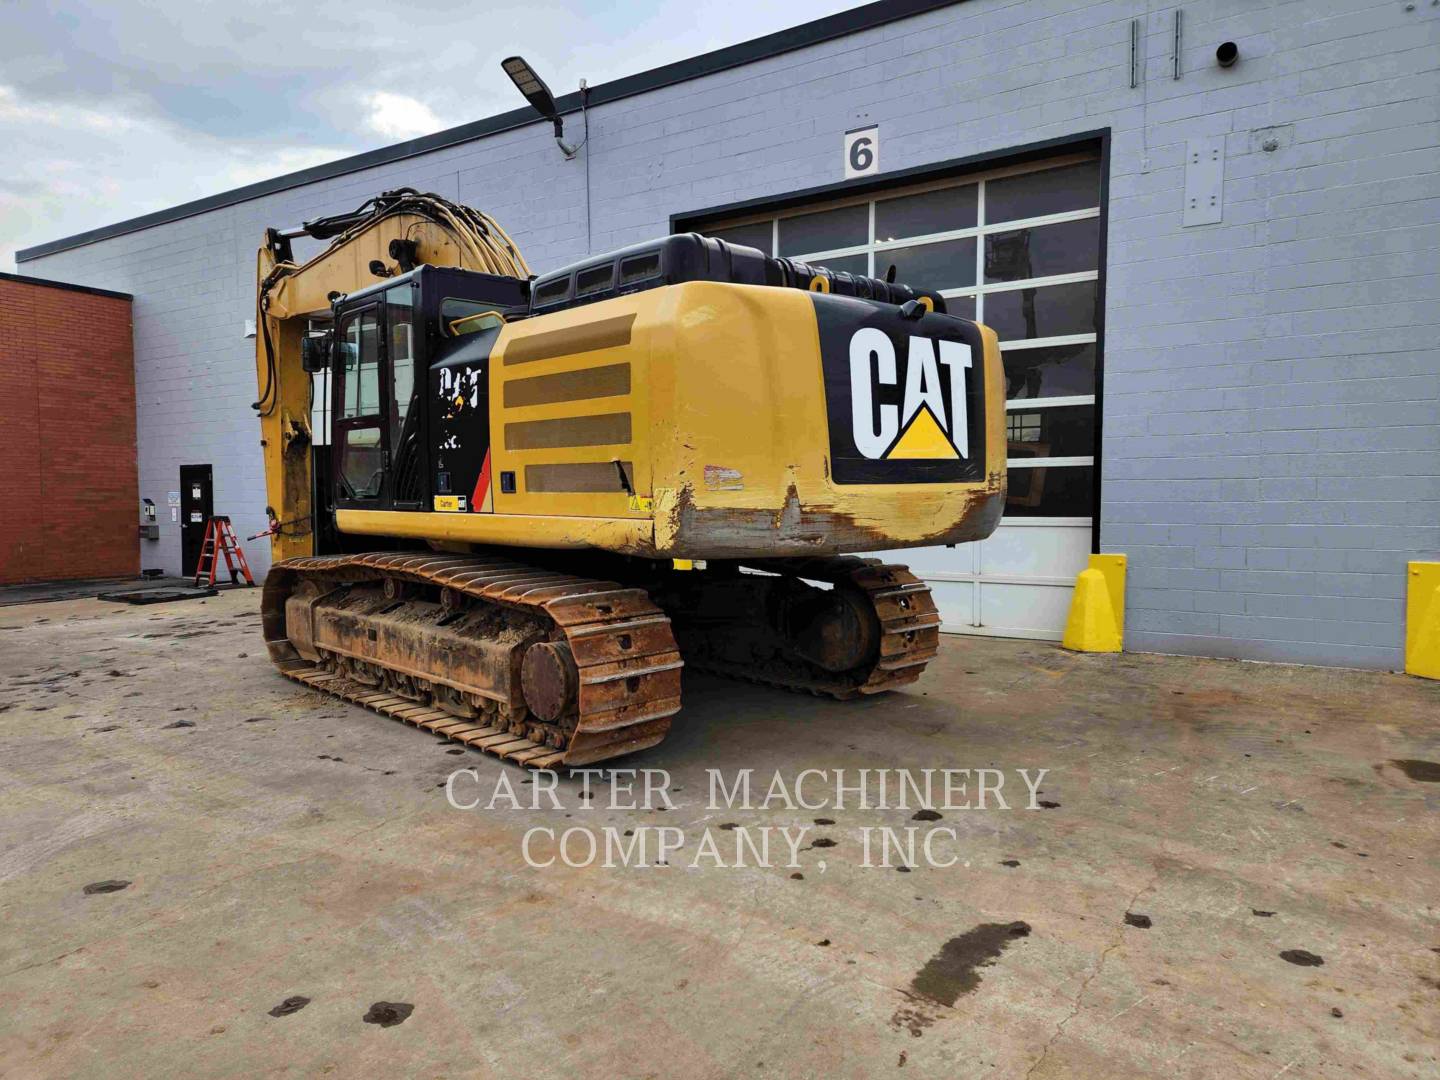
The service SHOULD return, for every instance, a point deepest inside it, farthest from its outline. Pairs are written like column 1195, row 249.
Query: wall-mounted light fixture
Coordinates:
column 543, row 102
column 1227, row 54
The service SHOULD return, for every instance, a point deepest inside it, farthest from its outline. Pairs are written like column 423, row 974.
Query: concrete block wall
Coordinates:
column 1272, row 389
column 1272, row 407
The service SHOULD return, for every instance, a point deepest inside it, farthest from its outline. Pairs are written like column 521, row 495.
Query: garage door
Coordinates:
column 1019, row 249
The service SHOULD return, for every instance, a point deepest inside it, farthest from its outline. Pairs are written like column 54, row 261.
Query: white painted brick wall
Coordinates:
column 1271, row 455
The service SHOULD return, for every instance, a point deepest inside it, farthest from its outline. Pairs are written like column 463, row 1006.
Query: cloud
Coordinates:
column 114, row 108
column 399, row 117
column 72, row 167
column 14, row 112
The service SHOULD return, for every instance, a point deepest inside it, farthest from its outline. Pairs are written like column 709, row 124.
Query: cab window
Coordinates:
column 359, row 343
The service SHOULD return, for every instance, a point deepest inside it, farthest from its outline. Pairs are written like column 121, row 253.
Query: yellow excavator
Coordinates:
column 541, row 497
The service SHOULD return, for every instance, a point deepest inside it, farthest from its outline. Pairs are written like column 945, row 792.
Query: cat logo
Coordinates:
column 905, row 396
column 920, row 427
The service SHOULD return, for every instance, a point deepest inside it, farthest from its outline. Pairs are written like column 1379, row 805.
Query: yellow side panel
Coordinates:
column 509, row 530
column 570, row 408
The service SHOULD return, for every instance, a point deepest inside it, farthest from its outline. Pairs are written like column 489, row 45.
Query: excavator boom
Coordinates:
column 398, row 228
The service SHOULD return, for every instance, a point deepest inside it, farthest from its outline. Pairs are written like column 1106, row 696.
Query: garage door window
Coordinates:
column 1017, row 249
column 928, row 212
column 829, row 230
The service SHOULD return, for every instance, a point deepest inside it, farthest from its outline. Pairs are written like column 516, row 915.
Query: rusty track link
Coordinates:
column 909, row 630
column 628, row 665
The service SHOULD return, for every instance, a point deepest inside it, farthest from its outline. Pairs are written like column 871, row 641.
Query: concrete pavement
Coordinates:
column 279, row 844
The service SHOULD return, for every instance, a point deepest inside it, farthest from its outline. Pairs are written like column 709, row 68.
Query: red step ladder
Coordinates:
column 220, row 540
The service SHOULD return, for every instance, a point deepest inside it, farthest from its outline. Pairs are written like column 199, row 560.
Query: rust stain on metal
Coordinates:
column 368, row 628
column 800, row 528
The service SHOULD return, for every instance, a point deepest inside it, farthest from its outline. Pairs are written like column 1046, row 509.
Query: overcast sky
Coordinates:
column 113, row 109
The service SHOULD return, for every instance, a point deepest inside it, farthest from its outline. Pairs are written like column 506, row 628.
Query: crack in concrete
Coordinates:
column 1085, row 985
column 42, row 963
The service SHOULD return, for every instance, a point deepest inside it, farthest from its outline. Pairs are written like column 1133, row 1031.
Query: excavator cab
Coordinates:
column 409, row 387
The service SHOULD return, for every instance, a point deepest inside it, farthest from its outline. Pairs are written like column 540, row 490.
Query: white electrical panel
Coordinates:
column 1204, row 180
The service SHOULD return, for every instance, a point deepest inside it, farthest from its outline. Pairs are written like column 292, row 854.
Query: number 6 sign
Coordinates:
column 862, row 151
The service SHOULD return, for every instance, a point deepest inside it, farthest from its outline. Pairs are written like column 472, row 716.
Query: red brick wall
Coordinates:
column 69, row 493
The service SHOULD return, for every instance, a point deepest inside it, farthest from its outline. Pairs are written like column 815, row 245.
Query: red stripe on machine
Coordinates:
column 482, row 485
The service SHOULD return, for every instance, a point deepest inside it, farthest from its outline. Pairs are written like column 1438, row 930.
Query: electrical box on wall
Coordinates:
column 149, row 529
column 1204, row 180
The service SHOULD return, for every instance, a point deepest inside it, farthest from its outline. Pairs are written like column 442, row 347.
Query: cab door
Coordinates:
column 357, row 411
column 378, row 449
column 404, row 408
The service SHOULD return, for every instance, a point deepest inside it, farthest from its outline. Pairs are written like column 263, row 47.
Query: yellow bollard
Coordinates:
column 1422, row 621
column 1097, row 610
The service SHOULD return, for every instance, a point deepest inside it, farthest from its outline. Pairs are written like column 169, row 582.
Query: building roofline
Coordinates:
column 691, row 220
column 46, row 283
column 815, row 32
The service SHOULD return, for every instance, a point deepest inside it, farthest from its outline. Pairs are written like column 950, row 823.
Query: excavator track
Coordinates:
column 380, row 629
column 903, row 610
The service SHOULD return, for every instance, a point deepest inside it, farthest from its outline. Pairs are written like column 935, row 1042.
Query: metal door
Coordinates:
column 197, row 505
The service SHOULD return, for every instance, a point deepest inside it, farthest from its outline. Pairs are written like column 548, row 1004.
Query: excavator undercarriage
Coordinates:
column 548, row 669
